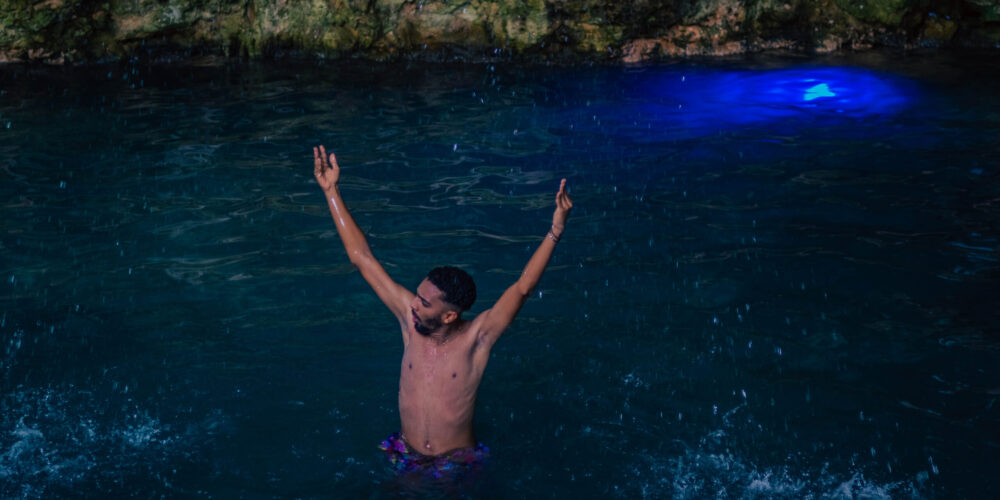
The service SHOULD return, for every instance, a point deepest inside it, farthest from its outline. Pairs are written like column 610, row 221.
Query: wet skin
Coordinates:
column 439, row 376
column 444, row 356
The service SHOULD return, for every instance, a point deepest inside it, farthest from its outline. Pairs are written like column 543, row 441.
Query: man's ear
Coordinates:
column 449, row 316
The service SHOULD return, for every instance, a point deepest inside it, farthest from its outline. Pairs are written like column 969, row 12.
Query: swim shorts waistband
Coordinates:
column 405, row 459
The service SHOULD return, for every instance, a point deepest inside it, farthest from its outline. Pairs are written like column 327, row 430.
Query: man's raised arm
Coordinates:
column 395, row 297
column 499, row 317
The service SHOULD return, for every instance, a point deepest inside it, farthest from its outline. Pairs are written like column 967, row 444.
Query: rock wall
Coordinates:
column 66, row 31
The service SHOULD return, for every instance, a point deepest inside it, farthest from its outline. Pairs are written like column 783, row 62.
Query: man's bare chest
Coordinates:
column 443, row 370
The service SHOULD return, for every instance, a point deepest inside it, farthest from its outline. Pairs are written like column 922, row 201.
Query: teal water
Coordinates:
column 757, row 295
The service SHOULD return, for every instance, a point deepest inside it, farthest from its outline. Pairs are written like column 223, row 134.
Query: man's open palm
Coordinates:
column 325, row 169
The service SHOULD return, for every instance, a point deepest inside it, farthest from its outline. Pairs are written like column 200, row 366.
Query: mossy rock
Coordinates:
column 987, row 10
column 76, row 30
column 939, row 31
column 883, row 12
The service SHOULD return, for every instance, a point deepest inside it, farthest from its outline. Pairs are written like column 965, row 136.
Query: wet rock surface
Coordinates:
column 69, row 31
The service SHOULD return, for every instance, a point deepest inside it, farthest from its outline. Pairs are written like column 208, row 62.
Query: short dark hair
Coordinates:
column 458, row 287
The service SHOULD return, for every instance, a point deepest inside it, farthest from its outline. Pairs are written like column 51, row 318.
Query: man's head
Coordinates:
column 442, row 298
column 458, row 288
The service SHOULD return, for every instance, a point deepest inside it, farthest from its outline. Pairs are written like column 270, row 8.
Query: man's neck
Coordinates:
column 442, row 335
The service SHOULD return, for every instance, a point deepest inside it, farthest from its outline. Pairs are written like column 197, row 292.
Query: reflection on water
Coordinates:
column 777, row 283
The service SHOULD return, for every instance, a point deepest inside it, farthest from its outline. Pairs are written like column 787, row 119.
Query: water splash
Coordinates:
column 57, row 440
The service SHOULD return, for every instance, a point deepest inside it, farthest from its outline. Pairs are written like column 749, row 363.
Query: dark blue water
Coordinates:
column 779, row 280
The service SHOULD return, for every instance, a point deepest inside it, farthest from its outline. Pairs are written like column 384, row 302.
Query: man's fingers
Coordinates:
column 317, row 162
column 333, row 161
column 563, row 200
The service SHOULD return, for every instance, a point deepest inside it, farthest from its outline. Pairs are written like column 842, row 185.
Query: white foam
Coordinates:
column 64, row 439
column 700, row 474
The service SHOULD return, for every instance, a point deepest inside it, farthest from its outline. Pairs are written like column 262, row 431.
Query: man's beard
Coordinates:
column 426, row 329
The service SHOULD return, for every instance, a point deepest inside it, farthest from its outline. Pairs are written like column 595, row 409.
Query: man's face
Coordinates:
column 428, row 308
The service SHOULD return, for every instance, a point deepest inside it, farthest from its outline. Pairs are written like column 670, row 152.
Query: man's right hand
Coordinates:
column 563, row 206
column 325, row 169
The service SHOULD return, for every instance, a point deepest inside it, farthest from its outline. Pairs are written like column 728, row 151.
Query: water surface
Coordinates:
column 768, row 288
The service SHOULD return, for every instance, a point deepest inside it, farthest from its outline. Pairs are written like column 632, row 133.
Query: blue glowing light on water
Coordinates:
column 853, row 92
column 818, row 91
column 779, row 93
column 673, row 103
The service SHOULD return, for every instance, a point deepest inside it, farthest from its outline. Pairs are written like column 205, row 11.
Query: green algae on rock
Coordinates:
column 66, row 31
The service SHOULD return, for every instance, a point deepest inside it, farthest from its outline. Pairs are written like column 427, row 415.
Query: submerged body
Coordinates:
column 444, row 356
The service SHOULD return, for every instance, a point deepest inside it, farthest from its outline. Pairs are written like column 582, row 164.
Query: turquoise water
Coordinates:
column 778, row 280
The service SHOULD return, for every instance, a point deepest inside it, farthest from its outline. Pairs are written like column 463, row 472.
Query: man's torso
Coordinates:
column 437, row 390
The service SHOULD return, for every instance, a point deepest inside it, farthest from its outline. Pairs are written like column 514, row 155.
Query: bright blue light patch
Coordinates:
column 817, row 91
column 678, row 102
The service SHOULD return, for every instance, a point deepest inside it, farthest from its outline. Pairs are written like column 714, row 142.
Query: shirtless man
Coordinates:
column 444, row 355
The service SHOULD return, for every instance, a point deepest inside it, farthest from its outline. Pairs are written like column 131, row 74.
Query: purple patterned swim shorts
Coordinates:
column 405, row 460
